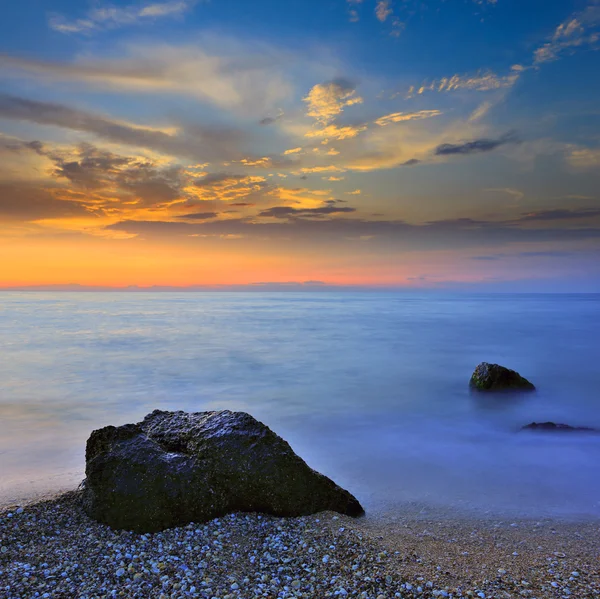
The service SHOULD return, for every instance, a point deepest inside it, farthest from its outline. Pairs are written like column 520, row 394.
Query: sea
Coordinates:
column 370, row 388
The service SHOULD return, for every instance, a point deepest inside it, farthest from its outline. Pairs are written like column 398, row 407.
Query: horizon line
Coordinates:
column 307, row 287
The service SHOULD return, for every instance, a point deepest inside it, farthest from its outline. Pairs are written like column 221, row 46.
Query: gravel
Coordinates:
column 51, row 549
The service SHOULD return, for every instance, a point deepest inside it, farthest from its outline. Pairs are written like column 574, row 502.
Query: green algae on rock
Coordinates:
column 493, row 377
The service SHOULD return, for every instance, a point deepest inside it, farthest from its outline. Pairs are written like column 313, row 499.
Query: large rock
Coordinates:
column 174, row 468
column 559, row 428
column 493, row 377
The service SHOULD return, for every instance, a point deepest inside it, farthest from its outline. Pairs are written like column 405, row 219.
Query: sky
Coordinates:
column 386, row 143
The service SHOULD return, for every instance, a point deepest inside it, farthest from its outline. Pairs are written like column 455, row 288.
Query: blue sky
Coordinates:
column 407, row 142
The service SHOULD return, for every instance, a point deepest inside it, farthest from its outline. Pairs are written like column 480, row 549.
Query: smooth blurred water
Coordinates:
column 370, row 388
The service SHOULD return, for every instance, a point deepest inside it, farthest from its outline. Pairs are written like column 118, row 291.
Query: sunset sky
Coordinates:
column 417, row 143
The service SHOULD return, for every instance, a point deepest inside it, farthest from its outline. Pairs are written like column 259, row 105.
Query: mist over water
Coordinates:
column 369, row 388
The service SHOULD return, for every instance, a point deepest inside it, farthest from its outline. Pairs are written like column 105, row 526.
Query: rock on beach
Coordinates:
column 176, row 467
column 493, row 377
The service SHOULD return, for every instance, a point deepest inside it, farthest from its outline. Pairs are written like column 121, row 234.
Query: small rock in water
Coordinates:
column 552, row 427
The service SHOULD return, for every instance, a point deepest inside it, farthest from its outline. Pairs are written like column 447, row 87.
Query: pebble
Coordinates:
column 54, row 550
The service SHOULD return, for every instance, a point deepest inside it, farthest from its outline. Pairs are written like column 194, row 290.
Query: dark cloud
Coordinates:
column 560, row 214
column 292, row 228
column 411, row 162
column 242, row 204
column 476, row 146
column 139, row 181
column 269, row 120
column 199, row 215
column 46, row 113
column 36, row 146
column 545, row 254
column 288, row 211
column 489, row 258
column 117, row 178
column 194, row 141
column 17, row 145
column 342, row 84
column 91, row 168
column 29, row 202
column 460, row 223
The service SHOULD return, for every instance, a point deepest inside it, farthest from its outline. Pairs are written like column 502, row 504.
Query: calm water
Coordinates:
column 370, row 388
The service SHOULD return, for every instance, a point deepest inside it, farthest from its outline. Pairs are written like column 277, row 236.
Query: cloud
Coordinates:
column 579, row 30
column 586, row 158
column 98, row 183
column 194, row 141
column 327, row 100
column 560, row 214
column 199, row 215
column 249, row 78
column 228, row 187
column 336, row 132
column 26, row 202
column 110, row 17
column 322, row 169
column 480, row 112
column 289, row 212
column 212, row 179
column 476, row 146
column 411, row 162
column 399, row 117
column 300, row 227
column 383, row 10
column 292, row 151
column 482, row 81
column 106, row 178
column 87, row 181
column 269, row 120
column 541, row 254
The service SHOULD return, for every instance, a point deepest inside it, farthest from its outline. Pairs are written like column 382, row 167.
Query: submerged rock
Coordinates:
column 553, row 427
column 493, row 377
column 177, row 467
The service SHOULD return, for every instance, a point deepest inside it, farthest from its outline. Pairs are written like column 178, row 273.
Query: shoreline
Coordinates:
column 382, row 517
column 53, row 547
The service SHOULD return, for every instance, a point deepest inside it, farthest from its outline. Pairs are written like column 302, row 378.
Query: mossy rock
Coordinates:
column 493, row 377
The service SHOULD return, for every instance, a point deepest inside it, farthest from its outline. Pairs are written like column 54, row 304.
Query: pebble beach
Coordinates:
column 51, row 549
